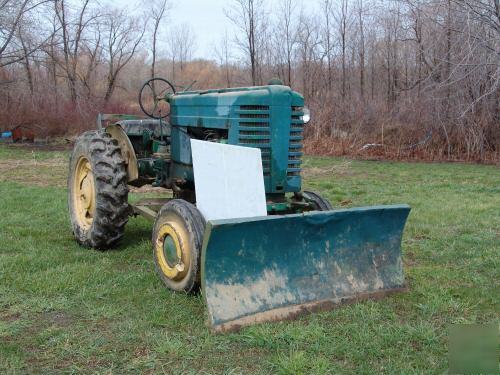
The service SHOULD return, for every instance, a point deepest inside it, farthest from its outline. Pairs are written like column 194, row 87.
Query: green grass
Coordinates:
column 68, row 309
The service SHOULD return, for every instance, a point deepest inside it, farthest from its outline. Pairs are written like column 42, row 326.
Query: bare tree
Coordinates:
column 248, row 16
column 309, row 54
column 223, row 53
column 157, row 13
column 181, row 44
column 25, row 44
column 361, row 47
column 286, row 35
column 326, row 8
column 72, row 28
column 343, row 18
column 92, row 51
column 12, row 12
column 123, row 36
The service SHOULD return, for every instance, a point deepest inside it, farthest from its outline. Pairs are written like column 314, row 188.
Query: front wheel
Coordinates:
column 177, row 241
column 319, row 203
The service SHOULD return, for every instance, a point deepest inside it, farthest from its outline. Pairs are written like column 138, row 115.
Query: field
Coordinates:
column 68, row 309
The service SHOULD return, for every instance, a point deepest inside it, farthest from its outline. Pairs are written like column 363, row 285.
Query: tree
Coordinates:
column 25, row 44
column 181, row 44
column 123, row 36
column 92, row 53
column 223, row 53
column 343, row 18
column 326, row 8
column 248, row 16
column 361, row 46
column 72, row 28
column 12, row 13
column 308, row 43
column 286, row 34
column 157, row 13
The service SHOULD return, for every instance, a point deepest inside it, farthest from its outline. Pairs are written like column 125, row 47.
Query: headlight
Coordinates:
column 306, row 117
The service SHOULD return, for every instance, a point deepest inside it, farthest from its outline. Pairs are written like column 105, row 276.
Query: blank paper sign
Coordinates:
column 229, row 182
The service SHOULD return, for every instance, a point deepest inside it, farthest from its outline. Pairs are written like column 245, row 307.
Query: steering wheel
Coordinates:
column 153, row 97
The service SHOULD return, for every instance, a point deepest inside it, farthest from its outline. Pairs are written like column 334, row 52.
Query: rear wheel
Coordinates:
column 97, row 191
column 320, row 203
column 177, row 241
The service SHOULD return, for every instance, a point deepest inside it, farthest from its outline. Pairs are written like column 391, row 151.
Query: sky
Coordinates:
column 205, row 17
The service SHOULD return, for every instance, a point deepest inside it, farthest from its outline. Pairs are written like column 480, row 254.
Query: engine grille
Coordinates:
column 295, row 144
column 255, row 132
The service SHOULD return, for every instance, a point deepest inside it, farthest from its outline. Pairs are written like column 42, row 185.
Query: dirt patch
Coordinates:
column 409, row 259
column 10, row 317
column 58, row 318
column 345, row 202
column 141, row 351
column 51, row 172
column 18, row 164
column 57, row 145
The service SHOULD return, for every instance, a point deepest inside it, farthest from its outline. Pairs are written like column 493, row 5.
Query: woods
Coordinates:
column 402, row 78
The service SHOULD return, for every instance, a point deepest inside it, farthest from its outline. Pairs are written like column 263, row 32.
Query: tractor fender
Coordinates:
column 127, row 150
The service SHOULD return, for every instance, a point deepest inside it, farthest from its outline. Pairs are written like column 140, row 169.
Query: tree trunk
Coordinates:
column 361, row 53
column 110, row 88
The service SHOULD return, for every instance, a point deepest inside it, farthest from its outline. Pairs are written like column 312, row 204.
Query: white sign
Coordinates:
column 229, row 182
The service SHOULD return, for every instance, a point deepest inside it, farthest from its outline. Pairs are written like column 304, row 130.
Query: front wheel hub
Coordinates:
column 171, row 252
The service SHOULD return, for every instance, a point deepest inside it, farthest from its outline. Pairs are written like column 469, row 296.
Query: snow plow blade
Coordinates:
column 278, row 267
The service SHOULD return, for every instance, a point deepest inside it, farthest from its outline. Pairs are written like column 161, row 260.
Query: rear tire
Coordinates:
column 97, row 191
column 320, row 203
column 177, row 241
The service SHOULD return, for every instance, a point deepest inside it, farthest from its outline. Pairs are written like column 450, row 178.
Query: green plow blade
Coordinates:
column 278, row 267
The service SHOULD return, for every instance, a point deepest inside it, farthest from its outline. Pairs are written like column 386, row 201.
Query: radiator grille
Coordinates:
column 253, row 115
column 295, row 143
column 244, row 124
column 255, row 132
column 254, row 107
column 253, row 141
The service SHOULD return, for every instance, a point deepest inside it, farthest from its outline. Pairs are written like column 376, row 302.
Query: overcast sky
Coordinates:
column 205, row 17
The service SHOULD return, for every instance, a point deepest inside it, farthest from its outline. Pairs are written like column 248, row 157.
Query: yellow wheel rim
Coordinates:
column 84, row 193
column 172, row 250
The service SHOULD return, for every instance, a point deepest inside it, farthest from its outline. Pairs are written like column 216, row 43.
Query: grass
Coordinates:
column 68, row 309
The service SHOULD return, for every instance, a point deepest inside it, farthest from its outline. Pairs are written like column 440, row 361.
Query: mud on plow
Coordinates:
column 239, row 225
column 278, row 267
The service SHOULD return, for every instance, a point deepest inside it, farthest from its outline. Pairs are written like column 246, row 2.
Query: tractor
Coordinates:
column 302, row 256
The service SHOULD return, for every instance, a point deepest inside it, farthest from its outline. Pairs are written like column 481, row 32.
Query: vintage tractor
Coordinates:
column 304, row 255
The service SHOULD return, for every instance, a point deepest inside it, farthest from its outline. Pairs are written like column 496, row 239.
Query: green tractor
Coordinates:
column 302, row 256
